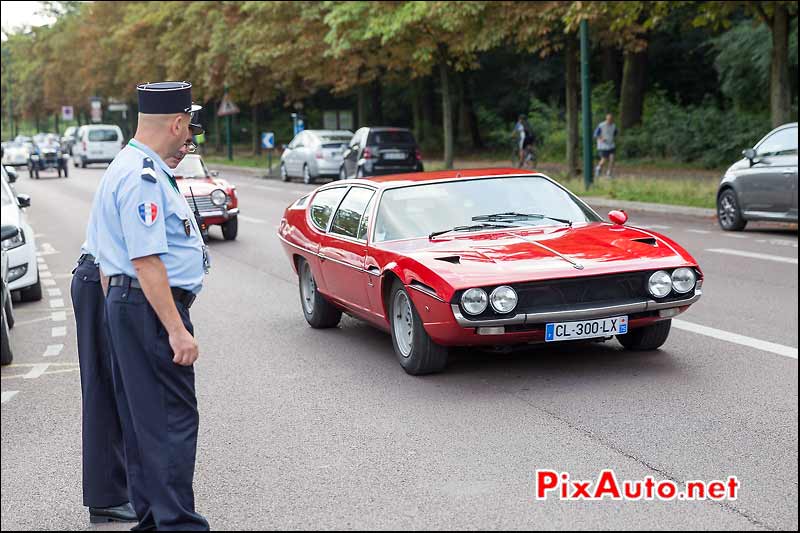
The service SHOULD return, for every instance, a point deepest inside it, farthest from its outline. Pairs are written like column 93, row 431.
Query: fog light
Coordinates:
column 17, row 272
column 669, row 313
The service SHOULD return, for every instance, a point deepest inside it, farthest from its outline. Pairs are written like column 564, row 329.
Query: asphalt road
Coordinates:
column 304, row 429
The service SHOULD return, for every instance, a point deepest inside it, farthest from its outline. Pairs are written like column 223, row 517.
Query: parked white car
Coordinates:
column 96, row 143
column 23, row 269
column 313, row 154
column 16, row 154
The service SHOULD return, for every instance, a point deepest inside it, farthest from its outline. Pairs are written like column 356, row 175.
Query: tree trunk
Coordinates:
column 447, row 114
column 57, row 128
column 217, row 132
column 428, row 119
column 632, row 97
column 571, row 65
column 254, row 127
column 361, row 94
column 377, row 104
column 610, row 70
column 779, row 97
column 416, row 107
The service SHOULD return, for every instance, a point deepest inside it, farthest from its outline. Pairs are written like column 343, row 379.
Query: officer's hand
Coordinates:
column 184, row 347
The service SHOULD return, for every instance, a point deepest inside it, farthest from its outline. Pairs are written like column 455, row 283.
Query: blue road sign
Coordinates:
column 268, row 140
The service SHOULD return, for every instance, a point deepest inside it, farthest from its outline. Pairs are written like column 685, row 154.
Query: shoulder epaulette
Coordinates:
column 148, row 170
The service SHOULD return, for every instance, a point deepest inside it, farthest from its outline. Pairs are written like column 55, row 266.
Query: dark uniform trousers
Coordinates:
column 158, row 410
column 104, row 478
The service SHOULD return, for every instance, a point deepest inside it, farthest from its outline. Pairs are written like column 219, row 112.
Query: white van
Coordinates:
column 96, row 143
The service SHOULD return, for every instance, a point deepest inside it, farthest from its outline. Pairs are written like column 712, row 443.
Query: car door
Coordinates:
column 344, row 250
column 766, row 187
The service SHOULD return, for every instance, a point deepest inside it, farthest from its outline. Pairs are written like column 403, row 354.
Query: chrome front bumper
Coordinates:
column 579, row 313
column 227, row 213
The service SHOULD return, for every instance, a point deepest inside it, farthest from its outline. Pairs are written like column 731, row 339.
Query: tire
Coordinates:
column 32, row 293
column 5, row 342
column 646, row 338
column 230, row 229
column 284, row 174
column 307, row 178
column 415, row 350
column 342, row 174
column 729, row 214
column 319, row 312
column 9, row 310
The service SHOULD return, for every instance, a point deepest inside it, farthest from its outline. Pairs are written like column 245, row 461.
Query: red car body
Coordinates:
column 357, row 276
column 197, row 184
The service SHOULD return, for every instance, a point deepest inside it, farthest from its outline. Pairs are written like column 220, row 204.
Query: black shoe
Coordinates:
column 120, row 513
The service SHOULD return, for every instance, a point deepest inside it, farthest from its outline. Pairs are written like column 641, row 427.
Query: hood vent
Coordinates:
column 647, row 240
column 455, row 259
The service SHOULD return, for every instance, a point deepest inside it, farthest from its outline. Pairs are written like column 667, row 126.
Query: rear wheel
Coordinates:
column 414, row 348
column 646, row 338
column 230, row 229
column 319, row 312
column 728, row 212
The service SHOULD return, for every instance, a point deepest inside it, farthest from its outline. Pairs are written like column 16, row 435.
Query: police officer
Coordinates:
column 149, row 246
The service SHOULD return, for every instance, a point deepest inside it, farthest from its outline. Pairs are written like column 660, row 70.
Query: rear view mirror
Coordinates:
column 214, row 173
column 750, row 154
column 618, row 217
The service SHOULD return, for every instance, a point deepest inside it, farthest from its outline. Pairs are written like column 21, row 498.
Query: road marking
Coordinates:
column 48, row 282
column 47, row 249
column 779, row 349
column 58, row 316
column 656, row 226
column 700, row 231
column 53, row 350
column 735, row 236
column 36, row 371
column 40, row 259
column 46, row 274
column 54, row 292
column 253, row 220
column 50, row 373
column 8, row 395
column 60, row 331
column 778, row 242
column 43, row 266
column 58, row 302
column 754, row 255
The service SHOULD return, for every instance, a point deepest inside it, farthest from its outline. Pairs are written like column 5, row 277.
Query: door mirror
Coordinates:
column 750, row 154
column 285, row 146
column 214, row 173
column 24, row 200
column 618, row 217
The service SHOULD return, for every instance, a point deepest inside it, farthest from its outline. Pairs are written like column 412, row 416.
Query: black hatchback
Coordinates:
column 380, row 151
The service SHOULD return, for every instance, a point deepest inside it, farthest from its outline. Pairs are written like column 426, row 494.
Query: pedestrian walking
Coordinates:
column 606, row 133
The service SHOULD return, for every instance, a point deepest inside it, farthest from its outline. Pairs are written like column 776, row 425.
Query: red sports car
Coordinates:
column 481, row 258
column 214, row 198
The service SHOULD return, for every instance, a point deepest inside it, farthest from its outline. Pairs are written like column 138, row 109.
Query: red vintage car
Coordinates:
column 214, row 198
column 491, row 257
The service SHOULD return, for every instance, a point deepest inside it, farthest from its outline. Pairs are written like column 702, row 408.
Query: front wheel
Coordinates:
column 414, row 348
column 646, row 338
column 319, row 312
column 230, row 229
column 728, row 212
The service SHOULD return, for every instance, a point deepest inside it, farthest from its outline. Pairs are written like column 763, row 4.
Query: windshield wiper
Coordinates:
column 473, row 227
column 514, row 216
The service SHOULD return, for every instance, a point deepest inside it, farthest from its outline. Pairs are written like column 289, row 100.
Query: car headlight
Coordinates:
column 14, row 242
column 659, row 284
column 218, row 197
column 474, row 301
column 503, row 299
column 683, row 280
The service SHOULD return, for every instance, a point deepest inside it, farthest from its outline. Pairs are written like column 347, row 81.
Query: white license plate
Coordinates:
column 586, row 329
column 395, row 155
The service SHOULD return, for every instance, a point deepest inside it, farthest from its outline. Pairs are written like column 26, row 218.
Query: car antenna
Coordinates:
column 197, row 217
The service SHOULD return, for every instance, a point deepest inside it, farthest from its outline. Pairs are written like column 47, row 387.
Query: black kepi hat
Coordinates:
column 168, row 97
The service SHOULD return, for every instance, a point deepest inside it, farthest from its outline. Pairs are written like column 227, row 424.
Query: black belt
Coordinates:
column 180, row 295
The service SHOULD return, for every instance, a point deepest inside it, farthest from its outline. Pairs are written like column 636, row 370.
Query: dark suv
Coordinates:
column 379, row 151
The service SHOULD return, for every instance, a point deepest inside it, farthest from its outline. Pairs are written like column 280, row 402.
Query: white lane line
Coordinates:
column 53, row 350
column 58, row 302
column 735, row 236
column 48, row 282
column 253, row 220
column 58, row 316
column 43, row 267
column 47, row 249
column 46, row 274
column 656, row 226
column 778, row 242
column 753, row 255
column 36, row 371
column 7, row 395
column 40, row 259
column 54, row 292
column 700, row 231
column 60, row 331
column 278, row 189
column 779, row 349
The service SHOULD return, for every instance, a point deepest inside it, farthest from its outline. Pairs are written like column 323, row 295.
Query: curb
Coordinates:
column 651, row 208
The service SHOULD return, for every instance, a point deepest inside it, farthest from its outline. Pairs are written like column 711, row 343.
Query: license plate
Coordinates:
column 586, row 329
column 395, row 156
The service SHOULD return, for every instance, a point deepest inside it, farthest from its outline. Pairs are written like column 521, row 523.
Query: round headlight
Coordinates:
column 218, row 197
column 683, row 280
column 474, row 301
column 504, row 299
column 659, row 284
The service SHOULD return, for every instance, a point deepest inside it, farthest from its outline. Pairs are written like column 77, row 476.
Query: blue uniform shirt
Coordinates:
column 137, row 212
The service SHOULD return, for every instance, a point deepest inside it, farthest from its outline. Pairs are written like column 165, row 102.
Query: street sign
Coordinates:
column 67, row 112
column 268, row 140
column 227, row 108
column 97, row 110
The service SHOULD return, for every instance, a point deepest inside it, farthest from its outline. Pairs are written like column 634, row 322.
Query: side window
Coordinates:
column 783, row 142
column 323, row 205
column 348, row 217
column 363, row 228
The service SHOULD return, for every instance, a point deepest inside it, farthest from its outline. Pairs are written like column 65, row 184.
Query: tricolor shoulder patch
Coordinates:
column 148, row 213
column 148, row 170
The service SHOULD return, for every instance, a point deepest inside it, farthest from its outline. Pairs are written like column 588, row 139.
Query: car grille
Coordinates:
column 203, row 203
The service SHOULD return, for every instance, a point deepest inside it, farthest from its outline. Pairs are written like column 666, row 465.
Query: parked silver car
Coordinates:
column 762, row 185
column 313, row 154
